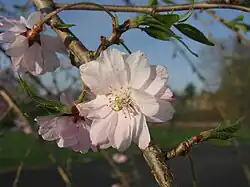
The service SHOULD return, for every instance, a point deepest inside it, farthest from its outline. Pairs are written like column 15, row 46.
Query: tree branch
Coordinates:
column 149, row 9
column 70, row 41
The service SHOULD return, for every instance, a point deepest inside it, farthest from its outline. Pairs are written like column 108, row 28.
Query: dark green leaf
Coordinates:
column 64, row 26
column 157, row 34
column 167, row 19
column 242, row 26
column 193, row 33
column 152, row 2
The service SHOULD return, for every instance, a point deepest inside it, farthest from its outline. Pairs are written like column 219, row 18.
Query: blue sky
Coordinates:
column 91, row 25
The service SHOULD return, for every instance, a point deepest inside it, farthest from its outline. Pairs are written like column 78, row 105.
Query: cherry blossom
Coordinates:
column 68, row 130
column 30, row 50
column 129, row 92
column 119, row 158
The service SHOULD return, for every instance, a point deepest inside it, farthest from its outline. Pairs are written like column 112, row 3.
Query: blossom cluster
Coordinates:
column 128, row 92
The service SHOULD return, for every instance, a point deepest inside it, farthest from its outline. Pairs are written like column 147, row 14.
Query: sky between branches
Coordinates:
column 91, row 25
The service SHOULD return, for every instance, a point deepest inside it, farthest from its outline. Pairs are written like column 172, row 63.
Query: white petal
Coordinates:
column 92, row 77
column 158, row 79
column 34, row 59
column 18, row 47
column 123, row 132
column 165, row 113
column 33, row 19
column 113, row 65
column 7, row 37
column 13, row 25
column 141, row 135
column 96, row 108
column 148, row 104
column 18, row 64
column 139, row 69
column 51, row 61
column 48, row 127
column 52, row 43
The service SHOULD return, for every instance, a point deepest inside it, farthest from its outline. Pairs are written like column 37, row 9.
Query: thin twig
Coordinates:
column 116, row 169
column 19, row 169
column 190, row 159
column 164, row 8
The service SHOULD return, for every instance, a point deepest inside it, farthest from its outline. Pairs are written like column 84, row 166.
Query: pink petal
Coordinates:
column 18, row 47
column 52, row 43
column 33, row 19
column 51, row 61
column 157, row 80
column 123, row 132
column 48, row 127
column 141, row 135
column 7, row 37
column 113, row 65
column 148, row 104
column 139, row 69
column 165, row 113
column 12, row 25
column 96, row 108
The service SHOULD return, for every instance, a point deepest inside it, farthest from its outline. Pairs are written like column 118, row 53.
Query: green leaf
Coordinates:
column 228, row 127
column 152, row 2
column 222, row 136
column 238, row 19
column 167, row 19
column 160, row 32
column 193, row 33
column 39, row 100
column 242, row 26
column 63, row 26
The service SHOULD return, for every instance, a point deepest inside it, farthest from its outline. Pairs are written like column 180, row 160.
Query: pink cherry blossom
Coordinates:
column 119, row 158
column 68, row 130
column 36, row 54
column 129, row 93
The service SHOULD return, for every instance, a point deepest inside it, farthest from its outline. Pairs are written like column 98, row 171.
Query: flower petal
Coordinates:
column 92, row 77
column 123, row 132
column 52, row 43
column 148, row 104
column 7, row 37
column 51, row 61
column 13, row 25
column 96, row 108
column 139, row 69
column 165, row 113
column 34, row 59
column 141, row 135
column 158, row 79
column 113, row 65
column 18, row 64
column 48, row 127
column 33, row 19
column 18, row 47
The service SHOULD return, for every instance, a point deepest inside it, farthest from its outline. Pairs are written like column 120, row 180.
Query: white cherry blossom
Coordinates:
column 30, row 51
column 129, row 93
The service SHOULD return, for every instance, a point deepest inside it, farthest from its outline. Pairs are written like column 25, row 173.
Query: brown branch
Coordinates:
column 159, row 168
column 165, row 8
column 70, row 41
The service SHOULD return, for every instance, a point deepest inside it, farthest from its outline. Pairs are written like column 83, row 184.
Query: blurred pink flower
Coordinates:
column 116, row 185
column 20, row 125
column 68, row 130
column 128, row 92
column 119, row 158
column 31, row 52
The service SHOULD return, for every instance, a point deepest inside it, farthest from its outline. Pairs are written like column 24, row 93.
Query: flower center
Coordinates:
column 33, row 35
column 121, row 100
